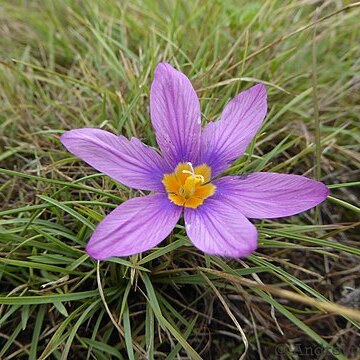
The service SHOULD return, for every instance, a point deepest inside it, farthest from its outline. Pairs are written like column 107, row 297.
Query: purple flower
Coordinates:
column 186, row 176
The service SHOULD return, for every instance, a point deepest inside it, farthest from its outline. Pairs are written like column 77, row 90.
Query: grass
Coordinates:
column 70, row 64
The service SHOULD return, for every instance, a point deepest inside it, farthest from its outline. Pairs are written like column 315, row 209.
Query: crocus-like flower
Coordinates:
column 185, row 178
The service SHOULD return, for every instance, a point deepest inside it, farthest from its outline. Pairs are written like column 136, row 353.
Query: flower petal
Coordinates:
column 175, row 115
column 271, row 195
column 135, row 226
column 225, row 140
column 130, row 162
column 218, row 228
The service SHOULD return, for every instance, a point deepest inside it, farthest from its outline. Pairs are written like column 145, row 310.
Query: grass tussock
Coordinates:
column 69, row 64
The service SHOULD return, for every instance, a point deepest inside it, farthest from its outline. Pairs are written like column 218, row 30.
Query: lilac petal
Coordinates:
column 130, row 162
column 225, row 140
column 135, row 226
column 218, row 228
column 271, row 195
column 175, row 115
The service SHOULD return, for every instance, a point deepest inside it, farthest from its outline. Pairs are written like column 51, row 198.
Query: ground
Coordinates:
column 70, row 64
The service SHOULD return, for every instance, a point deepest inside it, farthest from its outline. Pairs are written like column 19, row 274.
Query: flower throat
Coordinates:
column 188, row 186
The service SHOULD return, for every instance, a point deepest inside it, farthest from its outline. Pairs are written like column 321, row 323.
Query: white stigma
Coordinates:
column 192, row 172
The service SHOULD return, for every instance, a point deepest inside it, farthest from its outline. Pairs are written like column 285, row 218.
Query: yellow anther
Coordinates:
column 200, row 177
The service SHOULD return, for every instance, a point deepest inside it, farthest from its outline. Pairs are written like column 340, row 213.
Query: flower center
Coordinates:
column 188, row 186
